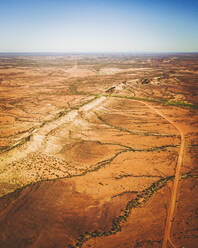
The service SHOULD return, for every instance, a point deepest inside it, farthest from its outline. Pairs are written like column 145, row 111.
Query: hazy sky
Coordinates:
column 88, row 25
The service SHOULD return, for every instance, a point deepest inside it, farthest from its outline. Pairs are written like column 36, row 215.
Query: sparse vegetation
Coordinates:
column 84, row 131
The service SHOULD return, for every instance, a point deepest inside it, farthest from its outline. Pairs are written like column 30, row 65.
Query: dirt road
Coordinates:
column 169, row 220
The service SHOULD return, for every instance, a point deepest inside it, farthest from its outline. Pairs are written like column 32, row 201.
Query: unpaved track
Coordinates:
column 169, row 220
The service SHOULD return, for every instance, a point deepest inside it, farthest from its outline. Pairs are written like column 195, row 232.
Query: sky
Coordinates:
column 99, row 26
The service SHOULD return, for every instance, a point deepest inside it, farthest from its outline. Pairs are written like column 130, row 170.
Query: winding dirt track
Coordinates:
column 169, row 220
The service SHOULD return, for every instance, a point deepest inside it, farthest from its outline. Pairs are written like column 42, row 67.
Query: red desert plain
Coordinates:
column 99, row 150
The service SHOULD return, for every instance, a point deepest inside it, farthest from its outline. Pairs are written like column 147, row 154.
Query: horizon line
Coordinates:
column 99, row 52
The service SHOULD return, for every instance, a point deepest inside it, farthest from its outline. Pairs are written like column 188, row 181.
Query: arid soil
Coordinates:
column 99, row 151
